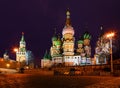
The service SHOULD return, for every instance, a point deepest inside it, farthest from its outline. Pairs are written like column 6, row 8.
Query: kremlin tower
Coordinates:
column 21, row 53
column 24, row 56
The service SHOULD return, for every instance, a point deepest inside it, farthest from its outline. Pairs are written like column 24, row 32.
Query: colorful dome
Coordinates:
column 87, row 35
column 54, row 38
column 58, row 42
column 68, row 30
column 80, row 42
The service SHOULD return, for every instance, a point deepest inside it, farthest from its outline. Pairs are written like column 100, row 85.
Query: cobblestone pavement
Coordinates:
column 112, row 83
column 44, row 81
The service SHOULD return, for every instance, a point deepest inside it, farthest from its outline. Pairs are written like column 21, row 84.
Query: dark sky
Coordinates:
column 38, row 18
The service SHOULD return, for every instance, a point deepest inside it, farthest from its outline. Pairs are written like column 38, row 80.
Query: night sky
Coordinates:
column 38, row 19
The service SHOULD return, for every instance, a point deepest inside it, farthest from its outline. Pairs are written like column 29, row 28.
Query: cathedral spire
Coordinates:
column 68, row 22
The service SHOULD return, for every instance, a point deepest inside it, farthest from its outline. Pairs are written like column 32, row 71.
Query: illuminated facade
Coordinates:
column 68, row 37
column 6, row 55
column 63, row 51
column 24, row 56
column 8, row 63
column 102, row 50
column 21, row 53
column 46, row 61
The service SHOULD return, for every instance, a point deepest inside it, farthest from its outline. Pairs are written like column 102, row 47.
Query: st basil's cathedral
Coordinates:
column 64, row 52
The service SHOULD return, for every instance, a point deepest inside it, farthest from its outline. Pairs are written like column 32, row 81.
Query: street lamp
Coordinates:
column 110, row 36
column 15, row 49
column 7, row 65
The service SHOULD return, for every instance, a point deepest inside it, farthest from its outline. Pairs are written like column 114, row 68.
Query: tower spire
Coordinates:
column 21, row 54
column 68, row 22
column 22, row 39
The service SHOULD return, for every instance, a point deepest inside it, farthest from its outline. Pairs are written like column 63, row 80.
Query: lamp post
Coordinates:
column 110, row 36
column 16, row 50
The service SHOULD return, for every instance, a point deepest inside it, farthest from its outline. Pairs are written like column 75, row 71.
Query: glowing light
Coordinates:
column 27, row 67
column 110, row 35
column 1, row 60
column 7, row 65
column 15, row 49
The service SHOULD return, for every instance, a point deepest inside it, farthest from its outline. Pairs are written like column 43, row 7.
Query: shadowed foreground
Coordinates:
column 42, row 81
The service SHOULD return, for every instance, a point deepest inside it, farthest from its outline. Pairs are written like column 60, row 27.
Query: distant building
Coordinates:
column 8, row 63
column 46, row 61
column 30, row 59
column 102, row 50
column 6, row 55
column 24, row 56
column 21, row 53
column 63, row 50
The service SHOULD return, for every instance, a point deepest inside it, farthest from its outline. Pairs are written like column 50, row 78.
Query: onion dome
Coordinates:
column 58, row 42
column 86, row 38
column 68, row 28
column 87, row 35
column 54, row 38
column 80, row 42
